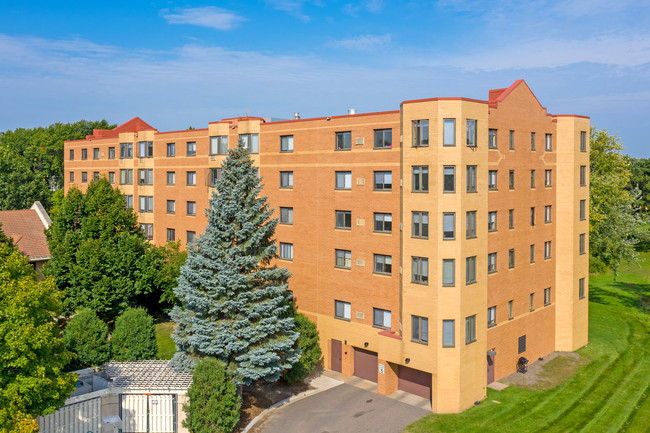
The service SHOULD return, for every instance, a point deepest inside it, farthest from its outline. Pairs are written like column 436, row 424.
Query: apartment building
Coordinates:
column 433, row 245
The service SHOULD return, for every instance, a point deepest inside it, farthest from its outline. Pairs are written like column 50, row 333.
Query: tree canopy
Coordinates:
column 235, row 306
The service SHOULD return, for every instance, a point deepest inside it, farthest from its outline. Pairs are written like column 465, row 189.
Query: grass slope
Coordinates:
column 166, row 346
column 610, row 394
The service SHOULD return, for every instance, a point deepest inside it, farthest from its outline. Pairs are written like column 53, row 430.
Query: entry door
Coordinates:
column 365, row 364
column 490, row 369
column 336, row 358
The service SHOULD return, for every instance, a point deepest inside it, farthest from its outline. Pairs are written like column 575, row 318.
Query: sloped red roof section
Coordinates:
column 498, row 95
column 27, row 231
column 134, row 125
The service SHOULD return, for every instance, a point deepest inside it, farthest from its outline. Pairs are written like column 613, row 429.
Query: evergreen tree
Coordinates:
column 134, row 337
column 86, row 335
column 235, row 305
column 309, row 345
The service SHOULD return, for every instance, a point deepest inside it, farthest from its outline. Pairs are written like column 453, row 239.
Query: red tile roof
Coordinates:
column 27, row 231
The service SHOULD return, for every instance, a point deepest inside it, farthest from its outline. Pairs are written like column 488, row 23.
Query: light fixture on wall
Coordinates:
column 365, row 344
column 407, row 360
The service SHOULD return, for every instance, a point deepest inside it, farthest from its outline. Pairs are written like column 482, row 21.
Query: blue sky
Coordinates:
column 186, row 64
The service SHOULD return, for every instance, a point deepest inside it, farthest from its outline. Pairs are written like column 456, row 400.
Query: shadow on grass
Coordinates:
column 634, row 296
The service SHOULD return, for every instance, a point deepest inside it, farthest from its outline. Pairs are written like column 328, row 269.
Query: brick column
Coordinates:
column 387, row 382
column 347, row 360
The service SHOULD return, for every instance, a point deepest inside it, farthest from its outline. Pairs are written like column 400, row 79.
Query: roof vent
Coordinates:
column 296, row 115
column 352, row 111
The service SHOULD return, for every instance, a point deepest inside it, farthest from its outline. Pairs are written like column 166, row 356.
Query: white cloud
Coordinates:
column 373, row 6
column 209, row 16
column 293, row 7
column 362, row 42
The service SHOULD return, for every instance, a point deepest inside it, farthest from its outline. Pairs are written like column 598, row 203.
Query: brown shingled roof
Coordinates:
column 27, row 231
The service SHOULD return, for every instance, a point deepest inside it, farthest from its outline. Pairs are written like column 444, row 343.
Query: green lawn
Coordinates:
column 166, row 347
column 610, row 394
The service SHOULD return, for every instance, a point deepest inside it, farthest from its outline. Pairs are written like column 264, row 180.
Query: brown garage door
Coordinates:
column 365, row 364
column 414, row 381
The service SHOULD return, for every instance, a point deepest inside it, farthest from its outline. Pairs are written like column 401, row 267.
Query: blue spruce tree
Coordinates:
column 234, row 305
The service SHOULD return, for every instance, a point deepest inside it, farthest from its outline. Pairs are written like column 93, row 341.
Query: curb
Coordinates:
column 284, row 402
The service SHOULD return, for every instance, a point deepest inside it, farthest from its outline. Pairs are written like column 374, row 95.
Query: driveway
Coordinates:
column 342, row 409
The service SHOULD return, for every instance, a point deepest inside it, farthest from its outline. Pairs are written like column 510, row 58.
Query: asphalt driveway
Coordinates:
column 342, row 409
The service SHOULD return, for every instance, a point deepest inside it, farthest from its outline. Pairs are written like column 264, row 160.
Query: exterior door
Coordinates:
column 414, row 381
column 154, row 413
column 490, row 369
column 365, row 364
column 336, row 363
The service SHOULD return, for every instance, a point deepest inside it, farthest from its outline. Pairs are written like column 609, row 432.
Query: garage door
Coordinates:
column 154, row 413
column 414, row 381
column 365, row 364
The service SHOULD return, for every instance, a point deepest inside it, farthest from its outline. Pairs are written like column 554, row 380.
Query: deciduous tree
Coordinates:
column 86, row 335
column 134, row 336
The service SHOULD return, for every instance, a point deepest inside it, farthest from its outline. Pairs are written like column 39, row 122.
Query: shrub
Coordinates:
column 86, row 335
column 214, row 402
column 308, row 343
column 134, row 337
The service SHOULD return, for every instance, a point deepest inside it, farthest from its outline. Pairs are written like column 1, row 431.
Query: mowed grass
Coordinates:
column 166, row 347
column 609, row 394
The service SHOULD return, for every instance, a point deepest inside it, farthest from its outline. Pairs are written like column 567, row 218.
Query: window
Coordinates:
column 111, row 153
column 532, row 302
column 190, row 236
column 383, row 264
column 383, row 180
column 420, row 178
column 111, row 177
column 532, row 141
column 383, row 222
column 532, row 253
column 511, row 218
column 511, row 179
column 146, row 203
column 286, row 251
column 343, row 259
column 171, row 178
column 492, row 179
column 383, row 138
column 219, row 145
column 532, row 178
column 342, row 310
column 583, row 210
column 214, row 176
column 449, row 178
column 95, row 175
column 126, row 176
column 420, row 133
column 191, row 148
column 191, row 208
column 251, row 142
column 549, row 142
column 448, row 272
column 286, row 215
column 343, row 140
column 547, row 296
column 381, row 318
column 286, row 143
column 129, row 201
column 548, row 178
column 470, row 329
column 145, row 176
column 471, row 178
column 448, row 333
column 171, row 206
column 126, row 150
column 470, row 224
column 471, row 133
column 343, row 219
column 521, row 345
column 420, row 225
column 171, row 149
column 146, row 149
column 492, row 138
column 510, row 309
column 532, row 216
column 583, row 175
column 582, row 243
column 547, row 250
column 583, row 141
column 191, row 178
column 449, row 132
column 492, row 263
column 581, row 288
column 84, row 177
column 71, row 154
column 286, row 179
column 449, row 226
column 84, row 154
column 171, row 235
column 420, row 270
column 343, row 180
column 492, row 316
column 512, row 140
column 96, row 153
column 492, row 221
column 470, row 270
column 547, row 214
column 419, row 329
column 511, row 258
column 148, row 230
